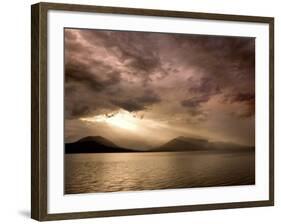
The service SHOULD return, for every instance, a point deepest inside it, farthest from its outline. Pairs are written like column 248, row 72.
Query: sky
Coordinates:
column 141, row 89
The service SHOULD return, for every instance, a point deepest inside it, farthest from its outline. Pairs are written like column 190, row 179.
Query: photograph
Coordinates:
column 154, row 111
column 139, row 111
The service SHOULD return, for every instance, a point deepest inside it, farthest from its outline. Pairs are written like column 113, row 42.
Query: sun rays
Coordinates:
column 121, row 119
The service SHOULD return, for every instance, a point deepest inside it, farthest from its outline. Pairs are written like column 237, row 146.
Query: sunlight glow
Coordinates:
column 121, row 119
column 136, row 124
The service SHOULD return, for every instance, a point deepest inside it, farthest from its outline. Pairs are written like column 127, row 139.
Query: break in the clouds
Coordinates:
column 163, row 85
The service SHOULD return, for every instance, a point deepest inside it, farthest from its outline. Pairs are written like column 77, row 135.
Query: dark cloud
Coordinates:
column 182, row 78
column 80, row 74
column 138, row 103
column 246, row 102
column 242, row 97
column 129, row 105
column 97, row 61
column 224, row 65
column 138, row 51
column 149, row 97
column 223, row 61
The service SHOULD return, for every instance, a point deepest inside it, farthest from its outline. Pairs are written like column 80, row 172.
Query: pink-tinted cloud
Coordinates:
column 183, row 79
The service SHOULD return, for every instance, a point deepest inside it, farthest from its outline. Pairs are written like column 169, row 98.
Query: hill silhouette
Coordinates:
column 183, row 144
column 93, row 144
column 199, row 144
column 99, row 144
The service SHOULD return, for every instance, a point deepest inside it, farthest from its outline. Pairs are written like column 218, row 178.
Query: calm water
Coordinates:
column 158, row 170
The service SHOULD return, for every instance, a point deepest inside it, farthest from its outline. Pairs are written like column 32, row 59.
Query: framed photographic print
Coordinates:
column 138, row 111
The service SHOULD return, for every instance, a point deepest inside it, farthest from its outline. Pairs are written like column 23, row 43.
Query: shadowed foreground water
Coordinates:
column 108, row 172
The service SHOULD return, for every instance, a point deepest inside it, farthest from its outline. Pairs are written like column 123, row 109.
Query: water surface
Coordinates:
column 109, row 172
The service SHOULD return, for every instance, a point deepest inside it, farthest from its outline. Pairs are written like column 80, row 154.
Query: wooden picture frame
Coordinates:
column 39, row 108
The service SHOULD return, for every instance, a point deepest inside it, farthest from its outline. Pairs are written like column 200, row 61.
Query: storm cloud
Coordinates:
column 187, row 81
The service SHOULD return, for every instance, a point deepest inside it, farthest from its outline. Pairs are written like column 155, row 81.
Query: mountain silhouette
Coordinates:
column 99, row 144
column 99, row 140
column 184, row 144
column 93, row 144
column 199, row 144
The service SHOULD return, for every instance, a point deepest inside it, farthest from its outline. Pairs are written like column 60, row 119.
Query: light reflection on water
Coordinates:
column 109, row 172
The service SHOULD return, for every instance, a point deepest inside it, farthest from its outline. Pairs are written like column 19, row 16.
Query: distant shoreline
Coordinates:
column 99, row 144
